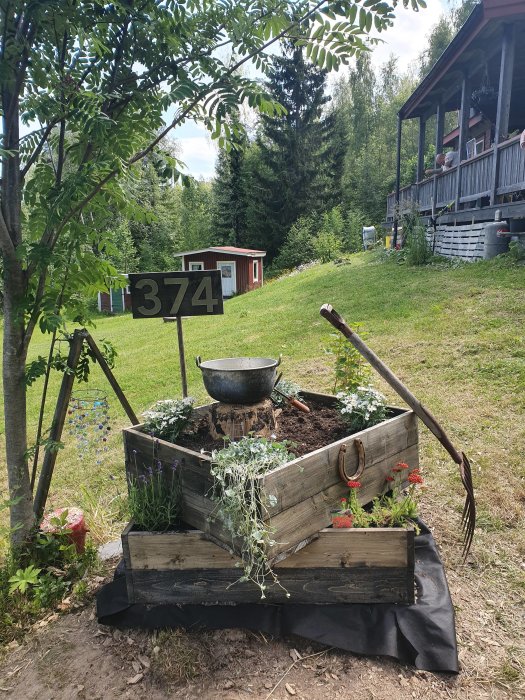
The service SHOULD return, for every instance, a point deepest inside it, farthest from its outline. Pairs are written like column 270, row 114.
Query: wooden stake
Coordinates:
column 181, row 358
column 50, row 456
column 111, row 379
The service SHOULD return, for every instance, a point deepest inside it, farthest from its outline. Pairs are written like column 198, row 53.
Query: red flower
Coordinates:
column 402, row 465
column 340, row 521
column 389, row 478
column 343, row 500
column 354, row 484
column 415, row 478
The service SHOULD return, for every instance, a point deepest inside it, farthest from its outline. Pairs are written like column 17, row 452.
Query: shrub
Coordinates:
column 298, row 247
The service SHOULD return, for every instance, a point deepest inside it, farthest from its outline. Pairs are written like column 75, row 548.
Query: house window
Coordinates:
column 195, row 266
column 255, row 270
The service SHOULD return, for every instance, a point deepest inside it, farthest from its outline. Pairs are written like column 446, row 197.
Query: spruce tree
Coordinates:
column 230, row 195
column 290, row 178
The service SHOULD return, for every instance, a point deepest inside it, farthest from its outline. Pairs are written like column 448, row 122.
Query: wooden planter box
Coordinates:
column 369, row 565
column 305, row 489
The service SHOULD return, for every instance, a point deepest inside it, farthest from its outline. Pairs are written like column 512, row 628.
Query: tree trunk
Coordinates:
column 14, row 359
column 15, row 349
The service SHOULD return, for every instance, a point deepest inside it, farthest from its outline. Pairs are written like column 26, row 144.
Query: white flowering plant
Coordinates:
column 167, row 419
column 362, row 408
column 240, row 504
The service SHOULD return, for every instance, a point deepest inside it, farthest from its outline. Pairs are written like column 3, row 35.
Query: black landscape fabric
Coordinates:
column 422, row 634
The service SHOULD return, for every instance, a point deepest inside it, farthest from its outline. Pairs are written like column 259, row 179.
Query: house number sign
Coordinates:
column 163, row 294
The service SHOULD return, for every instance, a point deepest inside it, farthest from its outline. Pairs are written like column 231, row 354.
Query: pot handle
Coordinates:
column 198, row 361
column 279, row 360
column 360, row 465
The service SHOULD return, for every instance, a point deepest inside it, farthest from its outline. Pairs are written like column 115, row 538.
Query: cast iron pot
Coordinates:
column 244, row 380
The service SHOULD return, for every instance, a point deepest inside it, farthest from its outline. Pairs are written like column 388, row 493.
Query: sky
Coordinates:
column 407, row 39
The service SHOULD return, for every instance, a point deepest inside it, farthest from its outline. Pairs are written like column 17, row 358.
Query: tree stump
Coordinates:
column 236, row 420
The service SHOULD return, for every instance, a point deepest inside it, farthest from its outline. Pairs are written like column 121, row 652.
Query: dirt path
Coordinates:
column 71, row 656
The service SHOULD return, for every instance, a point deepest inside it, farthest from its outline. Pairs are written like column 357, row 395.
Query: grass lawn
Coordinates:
column 454, row 335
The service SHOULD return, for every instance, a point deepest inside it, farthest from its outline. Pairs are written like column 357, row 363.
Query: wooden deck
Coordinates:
column 489, row 174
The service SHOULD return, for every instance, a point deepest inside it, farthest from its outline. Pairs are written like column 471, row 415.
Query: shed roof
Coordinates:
column 246, row 252
column 468, row 50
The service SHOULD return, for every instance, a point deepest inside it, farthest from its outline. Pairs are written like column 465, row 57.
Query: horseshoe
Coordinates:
column 360, row 465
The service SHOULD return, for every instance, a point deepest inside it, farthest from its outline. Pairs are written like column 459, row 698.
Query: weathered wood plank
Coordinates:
column 328, row 586
column 373, row 547
column 175, row 551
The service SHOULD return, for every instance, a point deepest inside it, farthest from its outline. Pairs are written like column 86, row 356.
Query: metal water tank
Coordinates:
column 496, row 239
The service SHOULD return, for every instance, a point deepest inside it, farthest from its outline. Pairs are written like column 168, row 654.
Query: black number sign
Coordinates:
column 158, row 294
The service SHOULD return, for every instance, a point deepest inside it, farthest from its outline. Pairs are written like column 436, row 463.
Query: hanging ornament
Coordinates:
column 88, row 421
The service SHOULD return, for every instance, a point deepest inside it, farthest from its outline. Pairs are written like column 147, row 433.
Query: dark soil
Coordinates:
column 306, row 431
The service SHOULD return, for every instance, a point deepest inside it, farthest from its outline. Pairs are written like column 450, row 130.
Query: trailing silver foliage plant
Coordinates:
column 239, row 504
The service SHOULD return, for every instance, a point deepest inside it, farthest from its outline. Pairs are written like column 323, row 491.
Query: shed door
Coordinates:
column 117, row 303
column 228, row 276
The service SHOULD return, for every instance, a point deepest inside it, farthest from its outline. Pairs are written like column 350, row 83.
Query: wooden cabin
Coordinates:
column 241, row 268
column 480, row 77
column 114, row 301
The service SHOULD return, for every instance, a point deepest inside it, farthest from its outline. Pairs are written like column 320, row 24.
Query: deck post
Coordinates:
column 463, row 132
column 421, row 149
column 440, row 128
column 398, row 178
column 504, row 97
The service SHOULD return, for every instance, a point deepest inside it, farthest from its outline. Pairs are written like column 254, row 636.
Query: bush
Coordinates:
column 298, row 247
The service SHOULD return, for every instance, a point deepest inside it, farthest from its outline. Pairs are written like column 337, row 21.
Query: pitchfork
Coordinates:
column 468, row 518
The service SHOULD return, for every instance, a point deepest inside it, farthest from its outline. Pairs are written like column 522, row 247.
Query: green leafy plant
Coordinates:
column 167, row 419
column 417, row 248
column 155, row 497
column 362, row 408
column 396, row 508
column 24, row 579
column 239, row 504
column 291, row 389
column 351, row 369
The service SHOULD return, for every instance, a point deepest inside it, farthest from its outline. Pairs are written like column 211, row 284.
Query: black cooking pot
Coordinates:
column 244, row 380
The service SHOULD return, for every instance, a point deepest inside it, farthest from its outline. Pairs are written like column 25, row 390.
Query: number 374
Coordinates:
column 203, row 295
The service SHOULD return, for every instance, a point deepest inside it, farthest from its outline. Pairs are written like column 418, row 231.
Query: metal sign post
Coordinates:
column 181, row 358
column 174, row 295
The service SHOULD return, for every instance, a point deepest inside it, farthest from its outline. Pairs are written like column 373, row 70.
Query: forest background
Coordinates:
column 299, row 186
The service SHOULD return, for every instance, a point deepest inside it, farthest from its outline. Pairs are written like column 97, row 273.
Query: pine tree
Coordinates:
column 290, row 178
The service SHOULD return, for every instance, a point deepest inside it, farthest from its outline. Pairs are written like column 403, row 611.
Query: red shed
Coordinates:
column 241, row 268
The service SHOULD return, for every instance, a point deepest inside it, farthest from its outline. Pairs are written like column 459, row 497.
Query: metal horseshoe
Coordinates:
column 360, row 464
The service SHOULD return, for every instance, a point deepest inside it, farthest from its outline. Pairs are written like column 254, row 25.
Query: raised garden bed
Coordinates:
column 372, row 565
column 305, row 489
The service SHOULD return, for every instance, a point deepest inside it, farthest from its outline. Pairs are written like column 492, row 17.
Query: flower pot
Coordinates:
column 342, row 518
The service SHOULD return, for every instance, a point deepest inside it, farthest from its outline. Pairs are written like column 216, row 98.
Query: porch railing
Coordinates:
column 476, row 181
column 511, row 172
column 476, row 177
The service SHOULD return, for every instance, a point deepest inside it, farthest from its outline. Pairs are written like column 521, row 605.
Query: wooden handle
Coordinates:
column 300, row 406
column 428, row 419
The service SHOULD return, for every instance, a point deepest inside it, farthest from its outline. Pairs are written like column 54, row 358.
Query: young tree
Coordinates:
column 89, row 81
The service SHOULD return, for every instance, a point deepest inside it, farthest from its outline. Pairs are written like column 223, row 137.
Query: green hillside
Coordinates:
column 454, row 335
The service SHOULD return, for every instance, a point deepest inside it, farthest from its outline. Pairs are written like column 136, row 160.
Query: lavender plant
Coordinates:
column 155, row 497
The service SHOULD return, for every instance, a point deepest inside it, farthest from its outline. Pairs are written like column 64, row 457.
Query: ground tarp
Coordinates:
column 422, row 634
